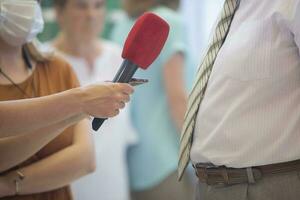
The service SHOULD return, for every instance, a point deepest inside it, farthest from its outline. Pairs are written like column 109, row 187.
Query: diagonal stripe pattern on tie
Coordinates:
column 203, row 74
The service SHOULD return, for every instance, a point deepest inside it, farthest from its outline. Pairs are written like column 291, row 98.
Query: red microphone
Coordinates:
column 142, row 46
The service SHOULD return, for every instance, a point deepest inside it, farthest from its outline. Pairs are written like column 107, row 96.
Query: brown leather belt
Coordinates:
column 221, row 175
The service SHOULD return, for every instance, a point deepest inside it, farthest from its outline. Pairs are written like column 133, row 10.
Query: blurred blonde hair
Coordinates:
column 33, row 48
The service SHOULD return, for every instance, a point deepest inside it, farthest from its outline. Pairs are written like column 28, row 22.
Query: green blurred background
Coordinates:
column 51, row 27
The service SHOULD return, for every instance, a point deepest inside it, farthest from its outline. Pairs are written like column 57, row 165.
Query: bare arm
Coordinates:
column 59, row 169
column 23, row 116
column 16, row 149
column 174, row 84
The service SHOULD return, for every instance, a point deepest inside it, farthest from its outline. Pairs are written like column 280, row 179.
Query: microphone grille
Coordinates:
column 146, row 40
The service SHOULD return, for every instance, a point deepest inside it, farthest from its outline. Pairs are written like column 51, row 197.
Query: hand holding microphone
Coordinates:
column 142, row 46
column 105, row 99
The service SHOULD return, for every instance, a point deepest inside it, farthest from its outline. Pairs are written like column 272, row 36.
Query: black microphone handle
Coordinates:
column 124, row 75
column 97, row 123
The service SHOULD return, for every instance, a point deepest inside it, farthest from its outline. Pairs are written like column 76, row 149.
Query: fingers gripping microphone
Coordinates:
column 142, row 46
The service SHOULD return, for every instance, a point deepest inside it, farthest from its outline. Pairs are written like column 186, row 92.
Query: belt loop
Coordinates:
column 225, row 175
column 195, row 168
column 250, row 175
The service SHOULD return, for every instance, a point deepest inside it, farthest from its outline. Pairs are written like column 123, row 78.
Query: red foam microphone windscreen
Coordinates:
column 146, row 40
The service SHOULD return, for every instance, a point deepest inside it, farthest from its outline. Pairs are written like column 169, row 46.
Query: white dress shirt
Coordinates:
column 250, row 114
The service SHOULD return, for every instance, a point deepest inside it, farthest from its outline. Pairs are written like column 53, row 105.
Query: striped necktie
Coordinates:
column 196, row 96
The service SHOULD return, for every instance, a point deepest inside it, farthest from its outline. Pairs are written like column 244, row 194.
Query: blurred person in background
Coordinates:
column 157, row 109
column 94, row 59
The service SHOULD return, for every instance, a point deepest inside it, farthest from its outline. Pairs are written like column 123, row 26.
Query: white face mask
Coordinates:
column 20, row 21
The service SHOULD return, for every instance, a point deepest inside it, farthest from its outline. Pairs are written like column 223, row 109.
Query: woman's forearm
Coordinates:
column 16, row 149
column 99, row 100
column 61, row 168
column 22, row 116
